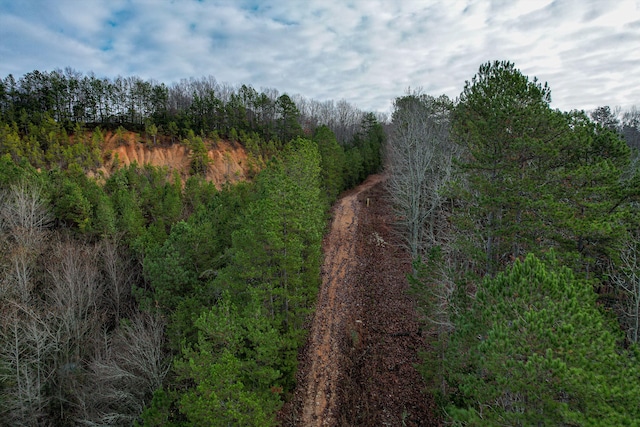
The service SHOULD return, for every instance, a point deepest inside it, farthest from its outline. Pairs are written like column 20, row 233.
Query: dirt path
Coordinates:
column 358, row 365
column 328, row 329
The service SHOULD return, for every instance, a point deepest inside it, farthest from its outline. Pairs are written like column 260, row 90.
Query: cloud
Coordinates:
column 365, row 51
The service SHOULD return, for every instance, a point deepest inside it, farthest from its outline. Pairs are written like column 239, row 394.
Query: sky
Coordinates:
column 367, row 52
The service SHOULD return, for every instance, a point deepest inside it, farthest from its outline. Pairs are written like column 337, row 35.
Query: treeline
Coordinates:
column 149, row 298
column 60, row 119
column 202, row 105
column 523, row 223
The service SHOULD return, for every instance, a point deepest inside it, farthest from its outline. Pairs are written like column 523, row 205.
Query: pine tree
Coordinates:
column 331, row 164
column 500, row 115
column 537, row 177
column 535, row 349
column 232, row 367
column 277, row 249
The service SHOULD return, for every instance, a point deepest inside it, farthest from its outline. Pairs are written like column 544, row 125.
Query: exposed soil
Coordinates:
column 228, row 162
column 358, row 367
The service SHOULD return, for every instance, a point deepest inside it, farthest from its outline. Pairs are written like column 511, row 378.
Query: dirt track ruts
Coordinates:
column 320, row 398
column 358, row 366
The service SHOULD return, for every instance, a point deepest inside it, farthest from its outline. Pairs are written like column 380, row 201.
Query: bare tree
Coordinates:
column 630, row 127
column 26, row 335
column 418, row 161
column 133, row 364
column 24, row 219
column 120, row 274
column 75, row 295
column 626, row 278
column 27, row 346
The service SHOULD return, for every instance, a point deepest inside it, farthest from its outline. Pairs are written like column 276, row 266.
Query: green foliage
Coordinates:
column 276, row 249
column 537, row 177
column 11, row 172
column 159, row 413
column 146, row 203
column 533, row 348
column 197, row 192
column 530, row 345
column 175, row 272
column 493, row 122
column 71, row 206
column 288, row 114
column 180, row 270
column 199, row 154
column 11, row 144
column 370, row 140
column 120, row 138
column 331, row 164
column 234, row 272
column 590, row 202
column 151, row 130
column 363, row 156
column 169, row 267
column 232, row 368
column 121, row 189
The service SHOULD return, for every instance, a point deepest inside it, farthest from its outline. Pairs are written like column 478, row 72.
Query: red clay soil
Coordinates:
column 357, row 368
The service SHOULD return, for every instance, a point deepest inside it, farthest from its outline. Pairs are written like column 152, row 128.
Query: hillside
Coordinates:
column 228, row 161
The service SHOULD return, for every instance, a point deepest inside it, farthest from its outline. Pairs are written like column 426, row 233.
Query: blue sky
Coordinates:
column 364, row 51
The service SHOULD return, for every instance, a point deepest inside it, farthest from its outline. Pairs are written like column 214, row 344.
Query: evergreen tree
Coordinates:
column 331, row 164
column 534, row 349
column 277, row 249
column 500, row 114
column 537, row 177
column 199, row 154
column 232, row 367
column 288, row 115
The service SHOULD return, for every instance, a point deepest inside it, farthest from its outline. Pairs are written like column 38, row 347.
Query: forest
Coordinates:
column 145, row 296
column 523, row 224
column 149, row 296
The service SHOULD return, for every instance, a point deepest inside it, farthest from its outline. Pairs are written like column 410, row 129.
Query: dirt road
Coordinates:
column 357, row 368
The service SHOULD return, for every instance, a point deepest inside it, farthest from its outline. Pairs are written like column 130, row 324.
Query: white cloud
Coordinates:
column 366, row 51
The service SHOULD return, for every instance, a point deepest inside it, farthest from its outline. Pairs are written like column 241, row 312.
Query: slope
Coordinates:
column 228, row 162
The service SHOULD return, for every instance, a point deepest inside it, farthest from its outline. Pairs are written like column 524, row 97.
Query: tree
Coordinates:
column 419, row 164
column 354, row 171
column 630, row 127
column 625, row 275
column 72, row 206
column 120, row 275
column 538, row 177
column 535, row 349
column 606, row 118
column 123, row 377
column 27, row 368
column 199, row 154
column 10, row 142
column 232, row 367
column 288, row 116
column 120, row 139
column 499, row 115
column 74, row 297
column 152, row 130
column 25, row 217
column 370, row 140
column 591, row 196
column 180, row 271
column 277, row 248
column 331, row 164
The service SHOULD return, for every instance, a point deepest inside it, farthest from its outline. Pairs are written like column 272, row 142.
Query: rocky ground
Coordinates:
column 358, row 367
